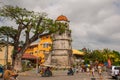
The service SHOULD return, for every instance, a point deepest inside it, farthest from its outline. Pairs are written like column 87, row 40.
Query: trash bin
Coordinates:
column 93, row 78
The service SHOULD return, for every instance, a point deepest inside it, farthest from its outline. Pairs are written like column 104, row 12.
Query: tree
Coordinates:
column 29, row 26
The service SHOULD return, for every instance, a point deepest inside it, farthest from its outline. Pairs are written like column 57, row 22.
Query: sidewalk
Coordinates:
column 34, row 73
column 29, row 73
column 62, row 74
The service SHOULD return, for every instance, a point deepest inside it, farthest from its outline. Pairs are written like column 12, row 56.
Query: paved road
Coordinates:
column 61, row 75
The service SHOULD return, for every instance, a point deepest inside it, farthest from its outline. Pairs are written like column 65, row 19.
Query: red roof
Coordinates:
column 61, row 18
column 28, row 56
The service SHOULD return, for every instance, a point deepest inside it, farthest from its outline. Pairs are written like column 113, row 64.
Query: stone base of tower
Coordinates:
column 61, row 58
column 60, row 61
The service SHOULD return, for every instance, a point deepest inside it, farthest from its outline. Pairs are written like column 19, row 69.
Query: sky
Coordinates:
column 95, row 24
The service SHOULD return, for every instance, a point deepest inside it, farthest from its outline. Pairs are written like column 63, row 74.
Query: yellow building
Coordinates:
column 31, row 48
column 44, row 46
column 3, row 54
column 77, row 52
column 42, row 49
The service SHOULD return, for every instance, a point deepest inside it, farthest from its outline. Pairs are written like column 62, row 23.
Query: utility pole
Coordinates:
column 37, row 66
column 6, row 54
column 37, row 59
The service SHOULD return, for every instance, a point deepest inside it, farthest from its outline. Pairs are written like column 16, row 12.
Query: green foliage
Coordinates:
column 102, row 56
column 16, row 13
column 8, row 31
column 25, row 67
column 87, row 61
column 116, row 63
column 28, row 21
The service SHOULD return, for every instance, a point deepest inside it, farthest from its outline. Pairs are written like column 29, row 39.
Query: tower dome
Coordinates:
column 61, row 18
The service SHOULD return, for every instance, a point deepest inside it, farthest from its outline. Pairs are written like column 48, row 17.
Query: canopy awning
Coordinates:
column 28, row 56
column 77, row 52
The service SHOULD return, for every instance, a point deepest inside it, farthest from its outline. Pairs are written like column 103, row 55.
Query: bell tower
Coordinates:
column 62, row 47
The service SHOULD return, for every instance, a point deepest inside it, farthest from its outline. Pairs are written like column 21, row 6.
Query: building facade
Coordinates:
column 42, row 48
column 4, row 56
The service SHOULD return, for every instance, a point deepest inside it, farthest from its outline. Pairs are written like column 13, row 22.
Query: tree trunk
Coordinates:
column 18, row 63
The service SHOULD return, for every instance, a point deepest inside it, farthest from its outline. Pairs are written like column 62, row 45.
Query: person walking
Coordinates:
column 100, row 70
column 92, row 71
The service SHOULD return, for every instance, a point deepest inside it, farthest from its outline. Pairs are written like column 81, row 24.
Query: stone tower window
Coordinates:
column 60, row 33
column 69, row 35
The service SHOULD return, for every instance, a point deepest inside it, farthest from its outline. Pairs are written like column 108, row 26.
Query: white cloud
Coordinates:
column 94, row 23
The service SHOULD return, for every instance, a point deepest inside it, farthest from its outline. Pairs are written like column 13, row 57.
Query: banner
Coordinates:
column 109, row 63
